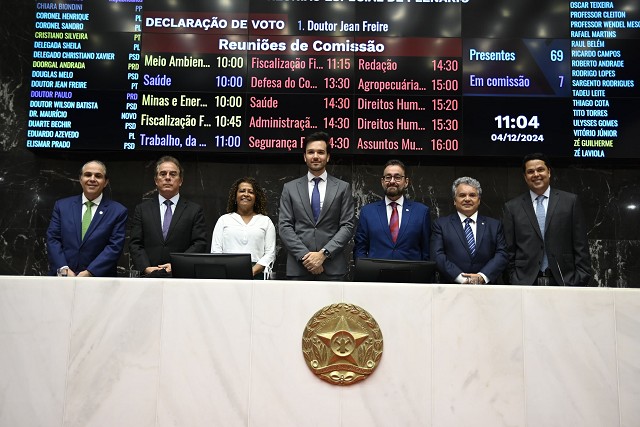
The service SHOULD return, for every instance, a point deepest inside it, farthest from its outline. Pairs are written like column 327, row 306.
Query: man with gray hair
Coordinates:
column 467, row 247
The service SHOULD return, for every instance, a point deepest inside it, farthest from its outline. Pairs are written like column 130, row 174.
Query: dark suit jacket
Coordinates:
column 565, row 240
column 300, row 234
column 187, row 233
column 451, row 252
column 373, row 237
column 103, row 243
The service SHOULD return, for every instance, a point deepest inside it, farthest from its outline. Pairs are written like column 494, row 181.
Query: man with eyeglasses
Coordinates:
column 166, row 223
column 468, row 248
column 395, row 227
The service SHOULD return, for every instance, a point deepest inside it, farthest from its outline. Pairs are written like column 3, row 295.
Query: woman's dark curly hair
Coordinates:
column 260, row 205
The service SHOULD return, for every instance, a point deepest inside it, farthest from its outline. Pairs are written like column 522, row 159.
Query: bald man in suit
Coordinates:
column 316, row 218
column 155, row 233
column 545, row 232
column 92, row 249
column 468, row 247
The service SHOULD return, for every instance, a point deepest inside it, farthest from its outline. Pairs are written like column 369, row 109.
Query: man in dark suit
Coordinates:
column 468, row 247
column 316, row 218
column 167, row 223
column 395, row 227
column 545, row 232
column 86, row 234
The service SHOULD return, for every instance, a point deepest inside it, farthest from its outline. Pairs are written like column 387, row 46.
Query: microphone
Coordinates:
column 559, row 270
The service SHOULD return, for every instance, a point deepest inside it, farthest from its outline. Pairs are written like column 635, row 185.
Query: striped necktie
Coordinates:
column 468, row 233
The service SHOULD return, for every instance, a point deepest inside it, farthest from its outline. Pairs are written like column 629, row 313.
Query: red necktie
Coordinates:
column 394, row 224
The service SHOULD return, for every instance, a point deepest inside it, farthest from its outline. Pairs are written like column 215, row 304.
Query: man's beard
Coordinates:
column 394, row 191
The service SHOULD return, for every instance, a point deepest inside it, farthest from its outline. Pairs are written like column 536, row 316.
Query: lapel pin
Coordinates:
column 100, row 212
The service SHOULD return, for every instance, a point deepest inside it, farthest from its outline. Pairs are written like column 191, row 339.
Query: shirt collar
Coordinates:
column 534, row 196
column 400, row 201
column 324, row 176
column 174, row 199
column 473, row 217
column 95, row 201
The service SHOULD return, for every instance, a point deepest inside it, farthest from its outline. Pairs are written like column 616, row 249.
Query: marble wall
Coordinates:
column 145, row 352
column 31, row 182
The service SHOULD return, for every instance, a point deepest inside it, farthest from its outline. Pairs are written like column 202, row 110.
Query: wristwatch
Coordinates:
column 326, row 252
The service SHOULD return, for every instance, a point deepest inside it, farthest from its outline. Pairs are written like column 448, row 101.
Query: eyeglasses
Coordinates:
column 389, row 178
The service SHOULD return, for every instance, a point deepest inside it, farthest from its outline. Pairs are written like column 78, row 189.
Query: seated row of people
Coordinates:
column 541, row 240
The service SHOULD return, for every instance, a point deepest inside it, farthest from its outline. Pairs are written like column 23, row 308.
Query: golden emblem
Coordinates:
column 342, row 344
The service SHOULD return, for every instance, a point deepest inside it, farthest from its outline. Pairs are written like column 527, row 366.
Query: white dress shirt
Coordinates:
column 474, row 227
column 400, row 203
column 322, row 186
column 258, row 238
column 163, row 207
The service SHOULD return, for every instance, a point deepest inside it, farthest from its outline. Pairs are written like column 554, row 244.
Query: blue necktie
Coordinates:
column 469, row 235
column 541, row 216
column 167, row 218
column 315, row 199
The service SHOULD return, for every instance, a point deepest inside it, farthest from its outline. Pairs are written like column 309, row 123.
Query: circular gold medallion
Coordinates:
column 342, row 344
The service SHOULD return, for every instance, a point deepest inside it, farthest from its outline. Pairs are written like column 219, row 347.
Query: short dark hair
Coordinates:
column 317, row 136
column 534, row 156
column 171, row 159
column 106, row 176
column 395, row 162
column 260, row 205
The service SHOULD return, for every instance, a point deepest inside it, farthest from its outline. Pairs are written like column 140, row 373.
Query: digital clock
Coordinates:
column 520, row 122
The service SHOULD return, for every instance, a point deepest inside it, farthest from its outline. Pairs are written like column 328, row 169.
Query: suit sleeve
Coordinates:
column 55, row 252
column 216, row 238
column 582, row 258
column 286, row 226
column 510, row 241
column 136, row 241
column 426, row 235
column 269, row 245
column 496, row 265
column 341, row 238
column 361, row 246
column 439, row 255
column 198, row 233
column 103, row 264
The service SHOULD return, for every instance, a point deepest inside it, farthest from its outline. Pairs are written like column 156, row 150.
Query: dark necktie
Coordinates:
column 394, row 222
column 541, row 216
column 315, row 199
column 86, row 217
column 167, row 218
column 468, row 233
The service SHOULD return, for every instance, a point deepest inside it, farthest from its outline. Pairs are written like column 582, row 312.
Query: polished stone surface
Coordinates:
column 31, row 182
column 145, row 352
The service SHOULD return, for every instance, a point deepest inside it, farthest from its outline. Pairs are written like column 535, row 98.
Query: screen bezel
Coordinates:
column 394, row 271
column 211, row 266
